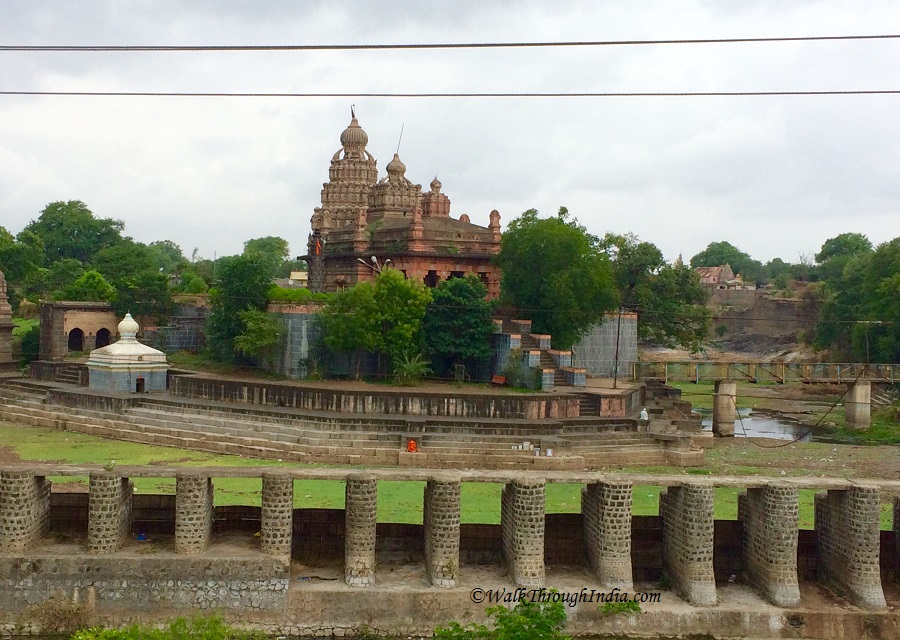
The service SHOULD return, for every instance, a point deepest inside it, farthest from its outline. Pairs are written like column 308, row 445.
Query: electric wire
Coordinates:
column 435, row 45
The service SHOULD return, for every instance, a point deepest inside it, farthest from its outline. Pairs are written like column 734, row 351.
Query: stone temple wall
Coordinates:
column 300, row 333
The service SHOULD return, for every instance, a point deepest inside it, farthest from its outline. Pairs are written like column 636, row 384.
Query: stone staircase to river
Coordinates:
column 336, row 438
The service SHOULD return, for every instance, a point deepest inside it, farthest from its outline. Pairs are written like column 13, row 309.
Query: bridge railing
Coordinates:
column 762, row 372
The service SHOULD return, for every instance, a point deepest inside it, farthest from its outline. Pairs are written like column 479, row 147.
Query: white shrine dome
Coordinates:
column 127, row 350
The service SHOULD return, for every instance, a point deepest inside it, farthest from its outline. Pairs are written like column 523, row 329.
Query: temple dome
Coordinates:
column 127, row 350
column 354, row 135
column 396, row 167
column 436, row 185
column 128, row 328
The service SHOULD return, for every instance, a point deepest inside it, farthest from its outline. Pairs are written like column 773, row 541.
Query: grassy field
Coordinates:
column 397, row 501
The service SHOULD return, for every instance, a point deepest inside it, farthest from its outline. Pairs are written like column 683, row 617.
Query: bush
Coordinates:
column 212, row 628
column 528, row 620
column 409, row 370
column 31, row 344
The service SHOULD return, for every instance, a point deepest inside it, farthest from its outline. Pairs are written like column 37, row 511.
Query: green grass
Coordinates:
column 885, row 429
column 399, row 502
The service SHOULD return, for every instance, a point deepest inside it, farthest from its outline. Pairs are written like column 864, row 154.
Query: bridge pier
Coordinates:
column 724, row 407
column 848, row 543
column 770, row 518
column 858, row 405
column 361, row 496
column 606, row 510
column 109, row 512
column 193, row 513
column 688, row 527
column 277, row 514
column 522, row 507
column 24, row 510
column 440, row 516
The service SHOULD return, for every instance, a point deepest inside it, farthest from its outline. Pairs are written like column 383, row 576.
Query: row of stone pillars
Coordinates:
column 847, row 525
column 857, row 406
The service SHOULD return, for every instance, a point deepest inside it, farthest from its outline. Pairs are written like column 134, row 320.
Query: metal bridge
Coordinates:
column 777, row 372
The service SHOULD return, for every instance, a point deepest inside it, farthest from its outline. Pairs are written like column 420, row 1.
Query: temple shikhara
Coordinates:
column 365, row 223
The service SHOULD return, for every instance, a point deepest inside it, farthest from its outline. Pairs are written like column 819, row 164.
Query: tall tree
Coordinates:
column 272, row 250
column 90, row 286
column 458, row 323
column 719, row 253
column 350, row 324
column 669, row 299
column 70, row 230
column 167, row 256
column 556, row 272
column 243, row 284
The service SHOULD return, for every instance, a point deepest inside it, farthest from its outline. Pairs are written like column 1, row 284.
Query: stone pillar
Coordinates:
column 522, row 529
column 770, row 519
column 858, row 405
column 24, row 510
column 606, row 510
column 109, row 512
column 897, row 537
column 359, row 534
column 193, row 513
column 440, row 515
column 277, row 516
column 724, row 407
column 848, row 542
column 687, row 524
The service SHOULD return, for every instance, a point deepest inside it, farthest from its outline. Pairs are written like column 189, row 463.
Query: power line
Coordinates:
column 524, row 94
column 423, row 45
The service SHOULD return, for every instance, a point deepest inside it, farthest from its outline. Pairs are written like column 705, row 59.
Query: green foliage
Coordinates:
column 90, row 286
column 409, row 370
column 124, row 259
column 192, row 283
column 296, row 296
column 721, row 330
column 383, row 318
column 556, row 273
column 20, row 256
column 243, row 284
column 619, row 607
column 271, row 250
column 719, row 253
column 211, row 628
column 259, row 336
column 669, row 299
column 457, row 324
column 526, row 621
column 167, row 257
column 70, row 230
column 145, row 293
column 28, row 335
column 860, row 316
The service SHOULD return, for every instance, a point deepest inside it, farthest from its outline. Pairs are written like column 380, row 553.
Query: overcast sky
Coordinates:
column 775, row 176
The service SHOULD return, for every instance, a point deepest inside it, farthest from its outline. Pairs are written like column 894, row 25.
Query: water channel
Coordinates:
column 761, row 426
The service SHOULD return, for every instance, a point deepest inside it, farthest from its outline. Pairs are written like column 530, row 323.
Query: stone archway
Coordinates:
column 76, row 340
column 103, row 338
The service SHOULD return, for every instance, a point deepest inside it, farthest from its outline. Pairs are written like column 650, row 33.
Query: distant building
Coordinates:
column 715, row 277
column 365, row 224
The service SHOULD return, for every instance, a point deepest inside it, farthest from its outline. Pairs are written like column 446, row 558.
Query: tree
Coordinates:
column 349, row 322
column 719, row 253
column 260, row 335
column 669, row 299
column 845, row 244
column 457, row 323
column 556, row 272
column 271, row 249
column 123, row 259
column 167, row 256
column 70, row 230
column 20, row 256
column 243, row 284
column 384, row 318
column 90, row 286
column 145, row 293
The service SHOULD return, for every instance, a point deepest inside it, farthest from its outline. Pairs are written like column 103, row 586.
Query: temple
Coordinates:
column 365, row 224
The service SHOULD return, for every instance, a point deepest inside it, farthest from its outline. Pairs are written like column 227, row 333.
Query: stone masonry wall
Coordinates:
column 688, row 536
column 109, row 512
column 257, row 582
column 24, row 510
column 300, row 334
column 522, row 506
column 359, row 536
column 440, row 516
column 193, row 513
column 770, row 517
column 595, row 351
column 277, row 515
column 848, row 543
column 606, row 510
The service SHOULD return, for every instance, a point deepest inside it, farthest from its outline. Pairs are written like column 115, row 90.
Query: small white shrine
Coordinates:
column 127, row 366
